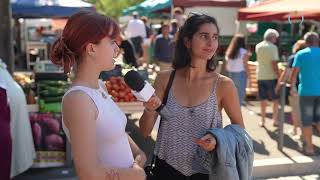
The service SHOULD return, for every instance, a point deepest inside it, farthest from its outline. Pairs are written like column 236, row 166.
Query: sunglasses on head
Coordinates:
column 193, row 13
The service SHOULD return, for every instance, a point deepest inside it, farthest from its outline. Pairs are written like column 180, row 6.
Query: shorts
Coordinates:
column 309, row 110
column 267, row 89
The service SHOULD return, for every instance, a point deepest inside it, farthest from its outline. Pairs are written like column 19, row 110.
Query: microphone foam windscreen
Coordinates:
column 134, row 80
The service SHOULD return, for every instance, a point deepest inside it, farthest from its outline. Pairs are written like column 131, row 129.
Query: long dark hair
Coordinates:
column 182, row 57
column 237, row 42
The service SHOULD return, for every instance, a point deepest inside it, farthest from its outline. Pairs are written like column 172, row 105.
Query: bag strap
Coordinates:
column 165, row 97
column 164, row 102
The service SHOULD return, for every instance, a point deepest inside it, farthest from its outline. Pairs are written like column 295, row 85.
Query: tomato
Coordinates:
column 113, row 80
column 108, row 84
column 128, row 90
column 133, row 99
column 114, row 93
column 120, row 80
column 115, row 87
column 121, row 100
column 122, row 94
column 116, row 99
column 122, row 87
column 127, row 98
column 130, row 95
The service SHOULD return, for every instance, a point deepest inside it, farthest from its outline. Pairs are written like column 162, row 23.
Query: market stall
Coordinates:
column 34, row 39
column 48, row 9
column 271, row 10
column 148, row 7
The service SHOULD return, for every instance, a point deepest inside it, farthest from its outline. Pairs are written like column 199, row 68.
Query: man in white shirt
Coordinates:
column 136, row 32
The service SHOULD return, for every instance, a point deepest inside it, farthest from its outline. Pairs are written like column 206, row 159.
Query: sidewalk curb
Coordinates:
column 266, row 168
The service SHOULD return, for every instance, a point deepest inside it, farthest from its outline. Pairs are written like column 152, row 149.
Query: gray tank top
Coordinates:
column 176, row 138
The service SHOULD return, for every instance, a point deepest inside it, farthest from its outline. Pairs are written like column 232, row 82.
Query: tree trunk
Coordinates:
column 6, row 39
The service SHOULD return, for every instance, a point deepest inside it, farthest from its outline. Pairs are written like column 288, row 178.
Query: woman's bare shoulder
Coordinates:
column 77, row 104
column 163, row 78
column 164, row 75
column 76, row 96
column 225, row 85
column 225, row 81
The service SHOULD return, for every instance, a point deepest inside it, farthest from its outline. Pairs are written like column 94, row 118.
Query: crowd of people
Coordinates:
column 138, row 36
column 301, row 72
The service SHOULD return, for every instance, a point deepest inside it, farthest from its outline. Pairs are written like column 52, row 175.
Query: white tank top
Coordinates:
column 113, row 147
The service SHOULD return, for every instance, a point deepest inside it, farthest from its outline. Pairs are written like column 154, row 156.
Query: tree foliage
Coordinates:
column 113, row 8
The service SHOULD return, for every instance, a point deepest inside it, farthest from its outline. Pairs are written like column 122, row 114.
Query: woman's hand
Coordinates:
column 293, row 91
column 140, row 159
column 139, row 171
column 153, row 103
column 278, row 87
column 207, row 142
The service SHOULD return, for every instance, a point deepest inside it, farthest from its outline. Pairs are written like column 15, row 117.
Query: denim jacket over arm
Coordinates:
column 232, row 158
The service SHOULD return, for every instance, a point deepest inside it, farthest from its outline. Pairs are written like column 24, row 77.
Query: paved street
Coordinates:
column 304, row 177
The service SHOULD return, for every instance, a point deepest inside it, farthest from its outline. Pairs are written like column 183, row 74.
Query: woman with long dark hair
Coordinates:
column 237, row 57
column 94, row 124
column 196, row 97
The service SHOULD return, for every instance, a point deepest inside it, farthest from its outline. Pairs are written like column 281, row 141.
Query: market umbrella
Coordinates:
column 48, row 8
column 280, row 10
column 148, row 6
column 223, row 3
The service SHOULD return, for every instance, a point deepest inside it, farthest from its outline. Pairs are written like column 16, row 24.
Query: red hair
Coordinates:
column 82, row 28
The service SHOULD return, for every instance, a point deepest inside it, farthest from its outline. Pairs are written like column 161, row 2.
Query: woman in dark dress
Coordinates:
column 5, row 137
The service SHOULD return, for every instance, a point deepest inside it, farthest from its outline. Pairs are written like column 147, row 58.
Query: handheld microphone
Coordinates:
column 143, row 91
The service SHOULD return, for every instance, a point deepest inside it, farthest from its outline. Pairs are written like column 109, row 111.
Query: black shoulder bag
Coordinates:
column 149, row 169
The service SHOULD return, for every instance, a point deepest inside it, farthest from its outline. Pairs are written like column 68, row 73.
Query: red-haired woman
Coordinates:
column 93, row 123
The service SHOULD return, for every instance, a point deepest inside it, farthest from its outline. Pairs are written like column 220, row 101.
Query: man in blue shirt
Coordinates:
column 163, row 51
column 307, row 65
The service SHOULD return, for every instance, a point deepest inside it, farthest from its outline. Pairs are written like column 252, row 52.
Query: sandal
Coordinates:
column 308, row 153
column 275, row 124
column 292, row 132
column 314, row 127
column 261, row 124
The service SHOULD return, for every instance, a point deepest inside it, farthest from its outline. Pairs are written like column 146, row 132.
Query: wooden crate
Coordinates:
column 252, row 82
column 131, row 107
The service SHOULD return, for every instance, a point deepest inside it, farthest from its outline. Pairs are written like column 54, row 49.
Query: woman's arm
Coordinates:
column 293, row 81
column 282, row 80
column 229, row 100
column 149, row 115
column 79, row 115
column 139, row 156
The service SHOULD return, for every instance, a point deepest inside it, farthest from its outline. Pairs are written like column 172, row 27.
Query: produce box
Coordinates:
column 123, row 96
column 50, row 93
column 49, row 139
column 131, row 107
column 119, row 90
